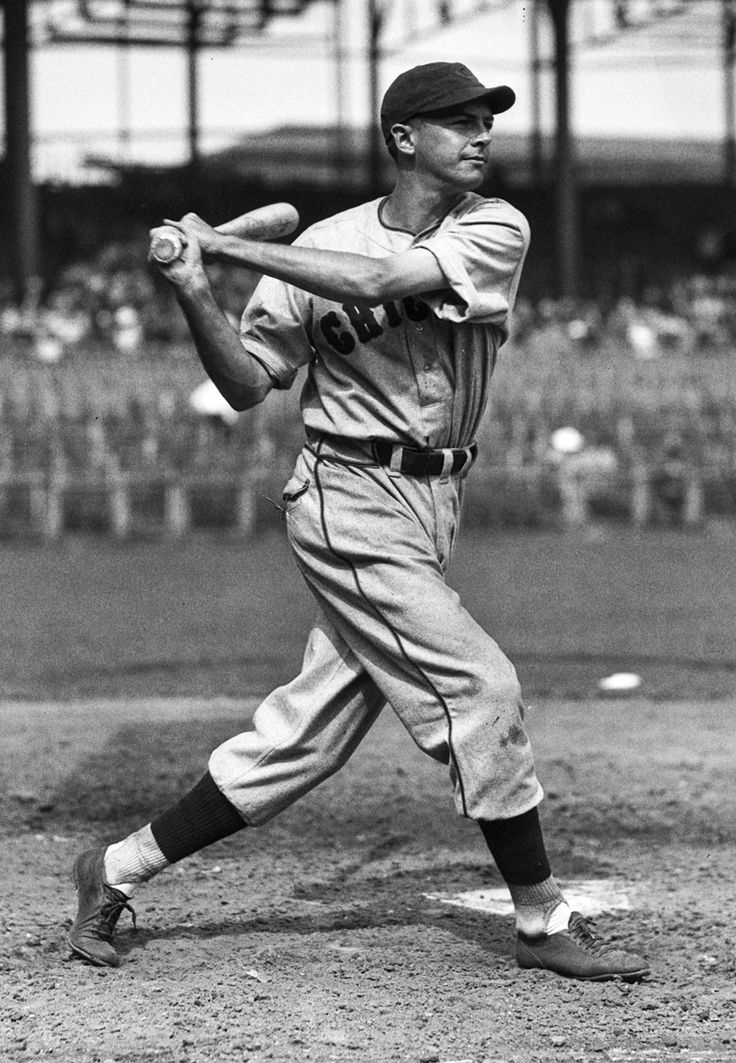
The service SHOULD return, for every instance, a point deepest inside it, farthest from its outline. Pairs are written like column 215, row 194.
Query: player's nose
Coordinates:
column 482, row 135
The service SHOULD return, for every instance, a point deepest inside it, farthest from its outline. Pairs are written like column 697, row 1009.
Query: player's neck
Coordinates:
column 415, row 207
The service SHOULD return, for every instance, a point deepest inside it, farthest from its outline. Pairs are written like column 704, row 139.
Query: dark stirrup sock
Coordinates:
column 517, row 846
column 201, row 817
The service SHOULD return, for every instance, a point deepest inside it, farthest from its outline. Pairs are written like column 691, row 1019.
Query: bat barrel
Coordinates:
column 264, row 223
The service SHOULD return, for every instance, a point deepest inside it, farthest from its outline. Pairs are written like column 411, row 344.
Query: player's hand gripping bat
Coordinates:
column 263, row 223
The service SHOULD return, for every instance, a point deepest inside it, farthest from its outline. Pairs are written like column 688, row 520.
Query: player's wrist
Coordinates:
column 190, row 285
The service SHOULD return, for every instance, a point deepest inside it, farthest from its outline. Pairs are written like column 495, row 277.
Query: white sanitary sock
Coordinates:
column 135, row 859
column 558, row 918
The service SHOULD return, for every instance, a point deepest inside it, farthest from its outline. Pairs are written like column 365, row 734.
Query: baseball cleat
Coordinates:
column 578, row 953
column 99, row 909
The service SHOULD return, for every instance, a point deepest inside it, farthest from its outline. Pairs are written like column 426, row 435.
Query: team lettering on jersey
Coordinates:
column 362, row 325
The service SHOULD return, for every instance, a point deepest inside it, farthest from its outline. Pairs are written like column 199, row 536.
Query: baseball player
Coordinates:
column 397, row 308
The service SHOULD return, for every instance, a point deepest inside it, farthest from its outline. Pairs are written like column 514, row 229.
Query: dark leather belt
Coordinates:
column 409, row 461
column 412, row 462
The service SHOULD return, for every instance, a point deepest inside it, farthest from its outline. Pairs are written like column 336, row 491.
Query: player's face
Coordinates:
column 453, row 147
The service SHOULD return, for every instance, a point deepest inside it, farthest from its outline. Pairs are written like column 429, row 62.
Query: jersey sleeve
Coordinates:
column 272, row 330
column 481, row 253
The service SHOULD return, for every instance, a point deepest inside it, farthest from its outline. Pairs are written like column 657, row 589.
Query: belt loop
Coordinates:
column 471, row 454
column 315, row 440
column 394, row 466
column 448, row 460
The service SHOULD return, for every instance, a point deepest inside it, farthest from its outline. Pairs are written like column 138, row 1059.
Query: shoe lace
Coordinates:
column 110, row 910
column 580, row 932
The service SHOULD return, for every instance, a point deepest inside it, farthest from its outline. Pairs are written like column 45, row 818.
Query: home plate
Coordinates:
column 587, row 896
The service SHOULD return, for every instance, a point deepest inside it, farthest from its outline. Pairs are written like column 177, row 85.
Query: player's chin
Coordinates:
column 473, row 175
column 470, row 184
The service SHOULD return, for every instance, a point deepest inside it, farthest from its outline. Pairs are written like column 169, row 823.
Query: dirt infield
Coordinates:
column 325, row 935
column 313, row 938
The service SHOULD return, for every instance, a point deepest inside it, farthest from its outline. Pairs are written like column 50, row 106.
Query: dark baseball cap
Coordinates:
column 434, row 87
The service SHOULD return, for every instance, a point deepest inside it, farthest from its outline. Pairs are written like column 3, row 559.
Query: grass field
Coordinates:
column 211, row 617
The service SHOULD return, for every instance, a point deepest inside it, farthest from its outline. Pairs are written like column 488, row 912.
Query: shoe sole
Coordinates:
column 633, row 976
column 616, row 976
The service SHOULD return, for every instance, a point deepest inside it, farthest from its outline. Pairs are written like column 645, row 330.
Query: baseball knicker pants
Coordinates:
column 373, row 547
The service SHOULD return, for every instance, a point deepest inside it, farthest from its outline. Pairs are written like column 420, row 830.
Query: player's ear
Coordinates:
column 403, row 136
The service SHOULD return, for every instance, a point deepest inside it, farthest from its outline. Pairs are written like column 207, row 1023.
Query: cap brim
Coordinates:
column 500, row 99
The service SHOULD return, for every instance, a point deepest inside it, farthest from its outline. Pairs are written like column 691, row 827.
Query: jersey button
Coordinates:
column 427, row 366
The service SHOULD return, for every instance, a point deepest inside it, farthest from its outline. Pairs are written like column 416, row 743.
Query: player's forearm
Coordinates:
column 336, row 275
column 239, row 377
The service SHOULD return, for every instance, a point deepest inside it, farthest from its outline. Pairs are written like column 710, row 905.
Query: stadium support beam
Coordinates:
column 729, row 94
column 566, row 200
column 193, row 123
column 22, row 206
column 375, row 147
column 535, row 70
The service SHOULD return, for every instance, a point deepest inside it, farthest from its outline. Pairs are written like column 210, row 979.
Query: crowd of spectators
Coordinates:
column 115, row 300
column 118, row 301
column 116, row 305
column 694, row 313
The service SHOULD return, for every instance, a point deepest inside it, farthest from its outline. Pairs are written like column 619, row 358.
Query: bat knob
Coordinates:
column 167, row 244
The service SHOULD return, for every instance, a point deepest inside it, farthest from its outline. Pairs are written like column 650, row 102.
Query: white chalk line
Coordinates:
column 590, row 897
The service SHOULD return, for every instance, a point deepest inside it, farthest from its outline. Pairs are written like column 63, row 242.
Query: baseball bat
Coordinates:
column 264, row 223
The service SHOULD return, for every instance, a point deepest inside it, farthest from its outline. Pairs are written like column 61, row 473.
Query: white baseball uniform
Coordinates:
column 372, row 541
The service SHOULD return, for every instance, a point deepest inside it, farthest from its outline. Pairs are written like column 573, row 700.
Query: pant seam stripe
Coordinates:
column 382, row 619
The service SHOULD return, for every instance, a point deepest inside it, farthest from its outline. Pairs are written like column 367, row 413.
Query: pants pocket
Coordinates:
column 294, row 491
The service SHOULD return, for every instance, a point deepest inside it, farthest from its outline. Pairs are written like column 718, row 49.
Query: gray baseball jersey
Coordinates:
column 415, row 371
